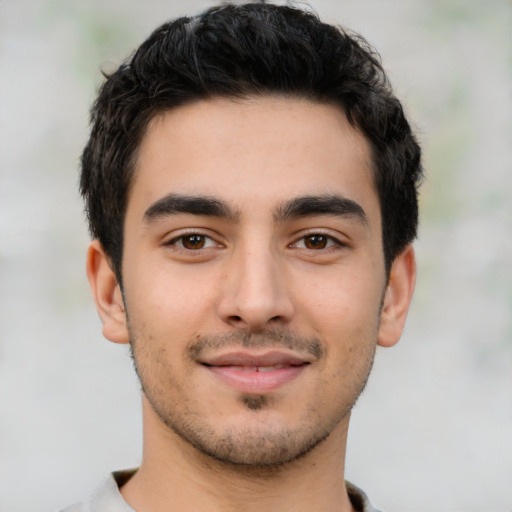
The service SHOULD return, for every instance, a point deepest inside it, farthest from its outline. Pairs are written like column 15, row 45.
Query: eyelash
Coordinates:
column 330, row 241
column 178, row 241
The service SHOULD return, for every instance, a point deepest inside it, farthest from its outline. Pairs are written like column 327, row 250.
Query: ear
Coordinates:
column 107, row 294
column 397, row 298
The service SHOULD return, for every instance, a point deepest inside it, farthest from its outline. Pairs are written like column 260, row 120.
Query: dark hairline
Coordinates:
column 308, row 68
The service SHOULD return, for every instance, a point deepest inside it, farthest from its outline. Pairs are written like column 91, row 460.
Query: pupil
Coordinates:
column 316, row 241
column 194, row 242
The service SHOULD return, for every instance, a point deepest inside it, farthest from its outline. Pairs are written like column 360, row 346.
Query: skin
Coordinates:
column 264, row 271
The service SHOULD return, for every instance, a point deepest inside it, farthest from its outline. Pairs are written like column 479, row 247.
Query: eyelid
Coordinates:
column 175, row 240
column 333, row 240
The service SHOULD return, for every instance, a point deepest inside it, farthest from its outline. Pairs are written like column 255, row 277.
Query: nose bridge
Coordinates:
column 255, row 292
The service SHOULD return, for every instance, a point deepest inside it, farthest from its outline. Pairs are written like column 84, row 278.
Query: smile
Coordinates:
column 259, row 368
column 256, row 374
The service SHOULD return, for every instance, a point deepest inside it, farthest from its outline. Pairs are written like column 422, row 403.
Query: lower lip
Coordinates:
column 249, row 381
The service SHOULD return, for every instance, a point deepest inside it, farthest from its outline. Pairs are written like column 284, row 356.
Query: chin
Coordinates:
column 256, row 446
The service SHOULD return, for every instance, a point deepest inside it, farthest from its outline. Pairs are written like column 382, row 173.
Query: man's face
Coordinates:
column 253, row 274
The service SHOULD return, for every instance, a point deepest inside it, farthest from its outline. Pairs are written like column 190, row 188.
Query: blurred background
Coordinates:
column 433, row 430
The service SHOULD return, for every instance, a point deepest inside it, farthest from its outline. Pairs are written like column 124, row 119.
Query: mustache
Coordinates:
column 266, row 339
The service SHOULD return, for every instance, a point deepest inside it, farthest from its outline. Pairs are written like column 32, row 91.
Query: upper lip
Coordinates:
column 241, row 358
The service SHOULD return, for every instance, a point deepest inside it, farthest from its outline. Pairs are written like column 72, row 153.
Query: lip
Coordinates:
column 256, row 373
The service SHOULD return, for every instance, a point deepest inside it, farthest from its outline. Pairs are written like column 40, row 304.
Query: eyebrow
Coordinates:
column 320, row 205
column 174, row 204
column 307, row 206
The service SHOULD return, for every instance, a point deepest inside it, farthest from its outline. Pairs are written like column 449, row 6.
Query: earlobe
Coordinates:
column 397, row 298
column 107, row 294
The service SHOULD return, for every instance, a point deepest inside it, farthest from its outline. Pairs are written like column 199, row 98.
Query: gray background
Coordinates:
column 433, row 429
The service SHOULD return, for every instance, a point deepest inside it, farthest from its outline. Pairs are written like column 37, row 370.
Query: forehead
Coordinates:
column 255, row 151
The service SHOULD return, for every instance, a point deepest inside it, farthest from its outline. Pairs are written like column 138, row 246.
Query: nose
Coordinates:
column 255, row 295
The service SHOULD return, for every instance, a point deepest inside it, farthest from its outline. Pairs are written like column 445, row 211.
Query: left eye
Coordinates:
column 316, row 241
column 193, row 242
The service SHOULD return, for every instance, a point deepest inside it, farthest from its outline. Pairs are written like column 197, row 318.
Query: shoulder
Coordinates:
column 359, row 499
column 106, row 498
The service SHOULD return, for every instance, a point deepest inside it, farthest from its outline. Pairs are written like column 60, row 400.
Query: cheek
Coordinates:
column 168, row 307
column 170, row 295
column 346, row 320
column 341, row 304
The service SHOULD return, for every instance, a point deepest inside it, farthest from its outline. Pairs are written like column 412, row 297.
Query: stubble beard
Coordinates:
column 252, row 445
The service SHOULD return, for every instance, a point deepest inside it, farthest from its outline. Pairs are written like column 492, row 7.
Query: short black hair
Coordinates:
column 239, row 51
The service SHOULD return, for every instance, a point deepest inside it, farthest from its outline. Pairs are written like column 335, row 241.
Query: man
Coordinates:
column 250, row 183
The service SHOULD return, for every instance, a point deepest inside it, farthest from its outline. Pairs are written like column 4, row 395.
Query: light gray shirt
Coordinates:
column 107, row 497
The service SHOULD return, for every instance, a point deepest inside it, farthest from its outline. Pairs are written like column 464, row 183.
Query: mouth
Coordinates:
column 256, row 373
column 257, row 368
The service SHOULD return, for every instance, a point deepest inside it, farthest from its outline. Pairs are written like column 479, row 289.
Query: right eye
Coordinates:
column 192, row 242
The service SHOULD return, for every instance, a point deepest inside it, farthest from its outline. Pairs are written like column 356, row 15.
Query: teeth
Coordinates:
column 270, row 368
column 258, row 368
column 245, row 368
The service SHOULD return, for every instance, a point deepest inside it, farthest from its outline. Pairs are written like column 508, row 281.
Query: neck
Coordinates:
column 176, row 476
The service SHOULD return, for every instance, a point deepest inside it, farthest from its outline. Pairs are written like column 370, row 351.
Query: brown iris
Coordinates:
column 193, row 241
column 315, row 241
